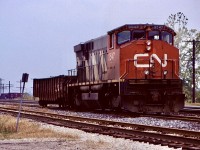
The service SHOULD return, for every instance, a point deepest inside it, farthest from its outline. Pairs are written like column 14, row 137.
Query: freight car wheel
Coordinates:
column 43, row 104
column 40, row 103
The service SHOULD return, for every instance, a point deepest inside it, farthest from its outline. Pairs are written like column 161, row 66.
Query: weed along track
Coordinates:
column 152, row 134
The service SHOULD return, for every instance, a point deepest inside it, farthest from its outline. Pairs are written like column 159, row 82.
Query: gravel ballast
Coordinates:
column 82, row 141
column 177, row 124
column 87, row 141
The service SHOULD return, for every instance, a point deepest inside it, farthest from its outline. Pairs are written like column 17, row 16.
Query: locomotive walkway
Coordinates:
column 152, row 134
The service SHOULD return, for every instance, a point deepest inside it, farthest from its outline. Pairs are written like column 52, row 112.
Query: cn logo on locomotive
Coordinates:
column 163, row 63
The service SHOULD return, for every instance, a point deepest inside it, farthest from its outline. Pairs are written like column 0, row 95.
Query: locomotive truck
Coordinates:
column 134, row 67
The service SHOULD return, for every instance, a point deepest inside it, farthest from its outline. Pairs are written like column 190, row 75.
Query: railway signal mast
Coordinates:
column 24, row 80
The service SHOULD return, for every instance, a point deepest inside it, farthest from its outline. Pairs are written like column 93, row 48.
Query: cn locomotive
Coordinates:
column 134, row 67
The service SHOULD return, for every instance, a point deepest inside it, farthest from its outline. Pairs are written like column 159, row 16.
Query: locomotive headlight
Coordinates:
column 165, row 72
column 146, row 72
column 148, row 42
column 148, row 48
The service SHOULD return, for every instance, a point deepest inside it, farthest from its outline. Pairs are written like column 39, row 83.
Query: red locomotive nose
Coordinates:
column 152, row 59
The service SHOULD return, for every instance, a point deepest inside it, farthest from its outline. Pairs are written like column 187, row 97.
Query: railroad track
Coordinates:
column 159, row 116
column 11, row 101
column 189, row 109
column 173, row 117
column 126, row 114
column 156, row 135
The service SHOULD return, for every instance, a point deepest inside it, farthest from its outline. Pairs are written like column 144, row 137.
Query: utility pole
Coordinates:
column 0, row 85
column 9, row 86
column 193, row 68
column 20, row 86
column 5, row 86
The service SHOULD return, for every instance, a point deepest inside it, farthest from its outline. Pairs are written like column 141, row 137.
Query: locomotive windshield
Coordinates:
column 163, row 35
column 127, row 35
column 153, row 35
column 138, row 34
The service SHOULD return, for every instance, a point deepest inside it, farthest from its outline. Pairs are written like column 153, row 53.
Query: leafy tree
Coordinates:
column 178, row 22
column 198, row 97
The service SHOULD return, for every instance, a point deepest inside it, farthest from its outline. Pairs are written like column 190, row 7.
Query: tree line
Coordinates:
column 178, row 22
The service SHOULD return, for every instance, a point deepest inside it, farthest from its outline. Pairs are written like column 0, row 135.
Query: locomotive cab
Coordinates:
column 148, row 68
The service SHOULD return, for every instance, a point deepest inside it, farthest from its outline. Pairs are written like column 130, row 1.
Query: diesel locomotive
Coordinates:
column 134, row 67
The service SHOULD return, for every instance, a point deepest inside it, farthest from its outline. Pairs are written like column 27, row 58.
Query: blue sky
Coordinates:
column 37, row 36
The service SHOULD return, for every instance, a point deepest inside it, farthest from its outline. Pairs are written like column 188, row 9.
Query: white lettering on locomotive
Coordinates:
column 151, row 60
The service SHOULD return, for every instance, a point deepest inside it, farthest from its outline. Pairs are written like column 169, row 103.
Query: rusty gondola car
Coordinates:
column 134, row 67
column 52, row 90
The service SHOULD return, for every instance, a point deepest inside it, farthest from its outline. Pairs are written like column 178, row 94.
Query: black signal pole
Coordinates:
column 193, row 69
column 24, row 80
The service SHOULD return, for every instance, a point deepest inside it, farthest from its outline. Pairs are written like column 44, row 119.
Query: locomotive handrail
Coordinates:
column 86, row 73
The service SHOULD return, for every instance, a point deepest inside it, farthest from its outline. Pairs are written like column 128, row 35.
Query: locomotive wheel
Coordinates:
column 116, row 103
column 64, row 105
column 40, row 103
column 60, row 105
column 44, row 104
column 77, row 101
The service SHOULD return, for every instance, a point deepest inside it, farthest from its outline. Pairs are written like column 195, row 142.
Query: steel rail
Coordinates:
column 164, row 117
column 195, row 134
column 173, row 117
column 103, row 128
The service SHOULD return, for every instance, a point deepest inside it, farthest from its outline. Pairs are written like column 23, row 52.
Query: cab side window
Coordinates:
column 111, row 40
column 123, row 37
